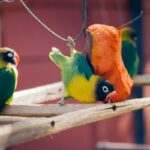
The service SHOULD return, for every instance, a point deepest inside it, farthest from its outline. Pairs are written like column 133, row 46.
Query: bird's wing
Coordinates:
column 84, row 67
column 130, row 57
column 7, row 85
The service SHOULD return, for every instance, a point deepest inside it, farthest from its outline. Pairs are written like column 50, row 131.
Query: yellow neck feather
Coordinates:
column 82, row 89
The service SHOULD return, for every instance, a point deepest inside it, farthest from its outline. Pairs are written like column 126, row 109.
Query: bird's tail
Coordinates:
column 57, row 57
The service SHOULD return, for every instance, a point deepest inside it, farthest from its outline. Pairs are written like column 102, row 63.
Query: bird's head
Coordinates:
column 9, row 56
column 128, row 34
column 105, row 91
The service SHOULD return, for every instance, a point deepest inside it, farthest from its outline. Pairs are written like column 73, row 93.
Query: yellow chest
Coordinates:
column 82, row 89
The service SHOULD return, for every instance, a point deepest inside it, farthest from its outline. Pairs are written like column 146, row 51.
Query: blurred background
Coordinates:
column 19, row 31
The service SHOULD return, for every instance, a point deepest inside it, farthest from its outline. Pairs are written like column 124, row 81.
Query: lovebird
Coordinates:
column 9, row 60
column 79, row 80
column 104, row 45
column 129, row 51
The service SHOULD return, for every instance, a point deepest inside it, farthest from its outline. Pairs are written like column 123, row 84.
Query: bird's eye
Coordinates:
column 105, row 89
column 134, row 36
column 10, row 55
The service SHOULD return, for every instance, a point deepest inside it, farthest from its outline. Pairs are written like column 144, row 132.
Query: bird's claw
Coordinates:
column 61, row 102
column 109, row 100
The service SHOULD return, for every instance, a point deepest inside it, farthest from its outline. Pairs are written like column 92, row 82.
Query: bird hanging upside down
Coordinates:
column 104, row 52
column 78, row 78
column 9, row 60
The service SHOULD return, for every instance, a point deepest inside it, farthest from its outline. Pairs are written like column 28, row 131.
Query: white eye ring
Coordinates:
column 10, row 55
column 105, row 89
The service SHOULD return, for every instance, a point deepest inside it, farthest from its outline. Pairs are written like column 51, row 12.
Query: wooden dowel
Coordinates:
column 121, row 146
column 42, row 110
column 35, row 128
column 39, row 94
column 142, row 80
column 11, row 119
column 55, row 91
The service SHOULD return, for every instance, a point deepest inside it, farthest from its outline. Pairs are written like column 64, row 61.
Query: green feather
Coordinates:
column 7, row 85
column 76, row 64
column 129, row 51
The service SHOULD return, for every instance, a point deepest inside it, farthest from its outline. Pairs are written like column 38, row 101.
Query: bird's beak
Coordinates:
column 17, row 58
column 111, row 97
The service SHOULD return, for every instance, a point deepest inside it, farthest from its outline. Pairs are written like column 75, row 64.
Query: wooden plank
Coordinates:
column 39, row 94
column 23, row 131
column 142, row 80
column 11, row 119
column 42, row 110
column 55, row 91
column 121, row 146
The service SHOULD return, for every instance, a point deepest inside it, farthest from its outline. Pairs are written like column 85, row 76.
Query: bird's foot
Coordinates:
column 109, row 100
column 61, row 102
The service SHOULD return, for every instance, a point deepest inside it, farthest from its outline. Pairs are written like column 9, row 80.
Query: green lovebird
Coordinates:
column 9, row 59
column 129, row 51
column 78, row 78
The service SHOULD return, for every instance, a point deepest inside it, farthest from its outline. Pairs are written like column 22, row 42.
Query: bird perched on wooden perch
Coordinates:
column 79, row 80
column 9, row 60
column 104, row 51
column 129, row 51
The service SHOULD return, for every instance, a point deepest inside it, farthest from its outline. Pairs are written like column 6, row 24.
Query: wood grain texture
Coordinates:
column 121, row 146
column 39, row 94
column 42, row 110
column 55, row 91
column 142, row 80
column 35, row 128
column 11, row 119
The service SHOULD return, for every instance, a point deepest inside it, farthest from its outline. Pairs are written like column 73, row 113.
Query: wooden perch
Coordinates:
column 42, row 110
column 11, row 119
column 55, row 91
column 121, row 146
column 39, row 94
column 35, row 128
column 141, row 80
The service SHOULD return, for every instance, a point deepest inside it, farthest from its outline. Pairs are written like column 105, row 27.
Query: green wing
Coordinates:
column 130, row 57
column 71, row 66
column 7, row 85
column 84, row 67
column 77, row 64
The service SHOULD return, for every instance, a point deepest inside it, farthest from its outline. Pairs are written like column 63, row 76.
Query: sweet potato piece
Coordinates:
column 107, row 60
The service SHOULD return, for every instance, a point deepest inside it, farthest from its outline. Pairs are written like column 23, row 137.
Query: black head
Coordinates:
column 103, row 88
column 133, row 35
column 129, row 33
column 8, row 56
